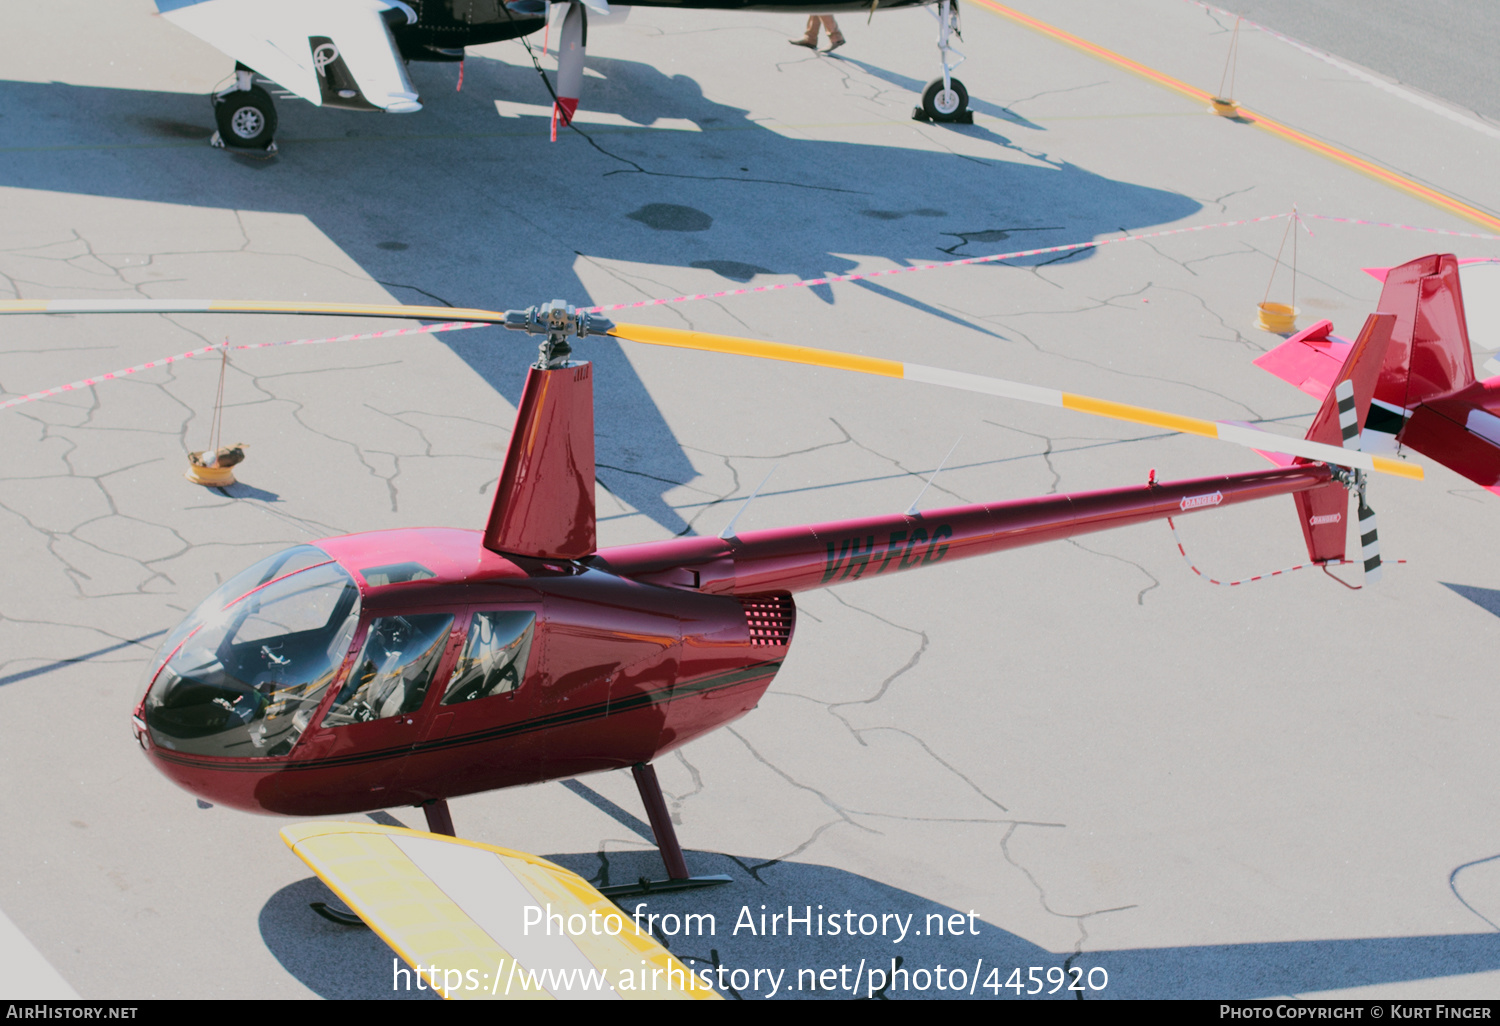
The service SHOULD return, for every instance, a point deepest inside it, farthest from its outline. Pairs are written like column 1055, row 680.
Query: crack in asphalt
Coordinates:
column 1140, row 598
column 1079, row 918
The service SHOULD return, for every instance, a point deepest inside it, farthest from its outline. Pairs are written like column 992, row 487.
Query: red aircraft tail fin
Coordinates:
column 544, row 504
column 1429, row 355
column 570, row 51
column 1338, row 422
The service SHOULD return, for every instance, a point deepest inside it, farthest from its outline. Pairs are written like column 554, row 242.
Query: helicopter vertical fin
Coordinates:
column 1322, row 511
column 1429, row 355
column 544, row 504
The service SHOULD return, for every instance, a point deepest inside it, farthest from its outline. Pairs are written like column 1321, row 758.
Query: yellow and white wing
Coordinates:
column 482, row 922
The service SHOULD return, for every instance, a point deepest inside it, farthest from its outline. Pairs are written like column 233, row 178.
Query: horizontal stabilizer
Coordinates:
column 478, row 922
column 1309, row 360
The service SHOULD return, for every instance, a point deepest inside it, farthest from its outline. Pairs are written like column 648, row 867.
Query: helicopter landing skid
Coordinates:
column 440, row 821
column 645, row 886
column 666, row 842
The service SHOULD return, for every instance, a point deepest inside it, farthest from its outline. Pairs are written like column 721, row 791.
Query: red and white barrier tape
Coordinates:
column 90, row 382
column 1403, row 227
column 832, row 278
column 804, row 283
column 1274, row 573
column 164, row 361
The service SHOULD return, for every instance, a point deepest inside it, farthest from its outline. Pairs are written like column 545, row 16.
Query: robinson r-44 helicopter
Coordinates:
column 411, row 666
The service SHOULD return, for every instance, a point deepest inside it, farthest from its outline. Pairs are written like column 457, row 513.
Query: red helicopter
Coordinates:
column 411, row 666
column 1428, row 397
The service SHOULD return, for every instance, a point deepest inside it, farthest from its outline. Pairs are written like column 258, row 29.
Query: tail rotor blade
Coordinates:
column 1369, row 539
column 1350, row 455
column 1348, row 415
column 1369, row 542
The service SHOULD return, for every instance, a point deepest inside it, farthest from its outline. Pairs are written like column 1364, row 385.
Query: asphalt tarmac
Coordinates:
column 1087, row 754
column 1442, row 47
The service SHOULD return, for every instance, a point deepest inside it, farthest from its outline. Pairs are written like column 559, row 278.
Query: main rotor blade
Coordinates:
column 1235, row 433
column 703, row 341
column 415, row 313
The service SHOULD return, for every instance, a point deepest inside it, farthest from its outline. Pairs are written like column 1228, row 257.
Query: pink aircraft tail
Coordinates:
column 1429, row 353
column 1426, row 397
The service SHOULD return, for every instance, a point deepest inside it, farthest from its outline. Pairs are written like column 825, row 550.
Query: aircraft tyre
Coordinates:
column 939, row 104
column 246, row 118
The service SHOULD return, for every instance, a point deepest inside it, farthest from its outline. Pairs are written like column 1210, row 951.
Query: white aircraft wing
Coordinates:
column 338, row 53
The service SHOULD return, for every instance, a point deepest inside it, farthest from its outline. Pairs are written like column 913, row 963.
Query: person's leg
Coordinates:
column 835, row 37
column 810, row 38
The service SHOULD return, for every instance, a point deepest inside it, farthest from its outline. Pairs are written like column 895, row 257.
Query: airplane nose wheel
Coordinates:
column 945, row 98
column 950, row 103
column 246, row 119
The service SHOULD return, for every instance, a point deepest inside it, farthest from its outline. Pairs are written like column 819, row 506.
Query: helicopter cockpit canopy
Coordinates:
column 243, row 675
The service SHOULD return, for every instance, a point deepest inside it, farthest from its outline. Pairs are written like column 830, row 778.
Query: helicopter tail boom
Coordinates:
column 818, row 555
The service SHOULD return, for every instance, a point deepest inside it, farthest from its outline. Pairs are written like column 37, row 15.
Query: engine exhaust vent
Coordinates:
column 770, row 618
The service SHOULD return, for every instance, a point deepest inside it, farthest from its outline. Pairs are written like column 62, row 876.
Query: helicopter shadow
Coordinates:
column 333, row 961
column 336, row 961
column 1487, row 599
column 37, row 671
column 460, row 205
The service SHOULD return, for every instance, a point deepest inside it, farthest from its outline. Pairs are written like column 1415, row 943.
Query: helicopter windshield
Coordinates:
column 249, row 666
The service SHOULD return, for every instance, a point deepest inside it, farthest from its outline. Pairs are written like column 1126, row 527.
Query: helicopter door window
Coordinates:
column 394, row 667
column 494, row 656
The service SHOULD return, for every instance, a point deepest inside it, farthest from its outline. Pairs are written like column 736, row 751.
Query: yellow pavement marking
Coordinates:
column 1333, row 153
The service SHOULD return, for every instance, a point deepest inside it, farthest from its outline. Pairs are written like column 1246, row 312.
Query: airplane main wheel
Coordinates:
column 941, row 104
column 246, row 118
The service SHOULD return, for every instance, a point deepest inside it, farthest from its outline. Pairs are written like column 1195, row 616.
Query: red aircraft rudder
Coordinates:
column 1322, row 511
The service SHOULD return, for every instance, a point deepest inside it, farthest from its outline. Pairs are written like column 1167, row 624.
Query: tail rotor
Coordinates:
column 1369, row 540
column 1341, row 419
column 1349, row 426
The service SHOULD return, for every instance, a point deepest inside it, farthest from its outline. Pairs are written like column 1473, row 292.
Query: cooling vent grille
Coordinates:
column 769, row 618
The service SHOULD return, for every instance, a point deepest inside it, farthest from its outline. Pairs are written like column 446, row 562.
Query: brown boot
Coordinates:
column 835, row 40
column 810, row 37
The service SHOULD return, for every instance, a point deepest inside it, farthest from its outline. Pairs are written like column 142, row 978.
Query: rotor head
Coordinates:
column 558, row 322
